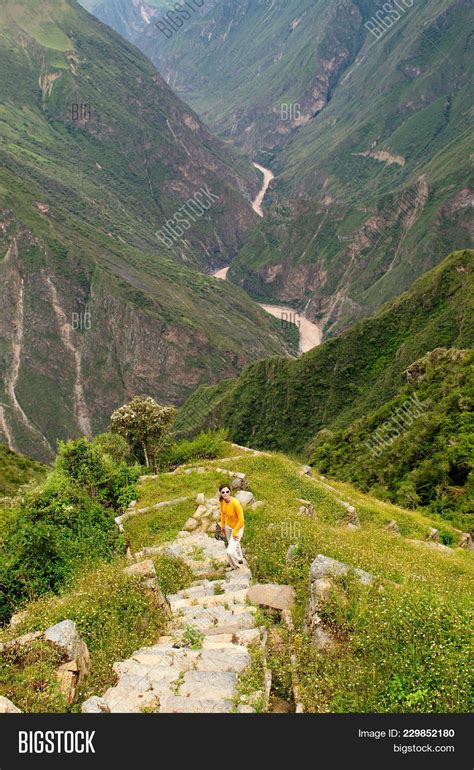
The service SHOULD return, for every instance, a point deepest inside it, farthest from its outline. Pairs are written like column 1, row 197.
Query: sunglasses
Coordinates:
column 225, row 491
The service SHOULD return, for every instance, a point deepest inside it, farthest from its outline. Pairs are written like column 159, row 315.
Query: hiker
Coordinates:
column 232, row 525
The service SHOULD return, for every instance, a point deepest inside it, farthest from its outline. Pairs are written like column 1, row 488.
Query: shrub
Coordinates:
column 204, row 446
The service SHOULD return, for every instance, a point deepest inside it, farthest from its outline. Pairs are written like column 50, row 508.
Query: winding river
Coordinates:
column 310, row 333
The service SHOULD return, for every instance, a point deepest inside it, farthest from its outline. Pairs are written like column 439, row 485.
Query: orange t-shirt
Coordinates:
column 232, row 514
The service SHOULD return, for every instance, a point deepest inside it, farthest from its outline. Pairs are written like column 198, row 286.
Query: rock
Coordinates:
column 257, row 504
column 183, row 534
column 67, row 676
column 95, row 705
column 7, row 707
column 71, row 673
column 278, row 597
column 466, row 542
column 433, row 535
column 306, row 470
column 245, row 498
column 291, row 553
column 66, row 636
column 18, row 618
column 21, row 640
column 353, row 527
column 322, row 639
column 323, row 566
column 321, row 591
column 306, row 508
column 239, row 481
column 142, row 569
column 199, row 512
column 200, row 499
column 191, row 525
column 132, row 504
column 393, row 527
column 244, row 709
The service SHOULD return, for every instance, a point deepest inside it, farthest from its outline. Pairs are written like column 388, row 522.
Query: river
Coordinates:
column 310, row 333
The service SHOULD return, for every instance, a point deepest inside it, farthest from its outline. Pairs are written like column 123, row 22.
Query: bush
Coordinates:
column 66, row 522
column 204, row 446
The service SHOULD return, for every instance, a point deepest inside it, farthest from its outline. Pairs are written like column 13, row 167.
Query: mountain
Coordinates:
column 352, row 385
column 127, row 17
column 365, row 125
column 97, row 154
column 16, row 470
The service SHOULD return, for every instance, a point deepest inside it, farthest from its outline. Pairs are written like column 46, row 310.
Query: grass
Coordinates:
column 27, row 677
column 402, row 645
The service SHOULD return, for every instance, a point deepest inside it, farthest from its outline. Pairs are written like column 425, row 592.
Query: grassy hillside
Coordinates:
column 417, row 449
column 103, row 308
column 16, row 470
column 279, row 403
column 402, row 644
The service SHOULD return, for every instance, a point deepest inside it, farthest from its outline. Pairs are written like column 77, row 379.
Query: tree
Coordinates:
column 144, row 424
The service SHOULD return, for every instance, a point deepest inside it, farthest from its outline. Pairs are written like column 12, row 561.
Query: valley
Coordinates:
column 236, row 360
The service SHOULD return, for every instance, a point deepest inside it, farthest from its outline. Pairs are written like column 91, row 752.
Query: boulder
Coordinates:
column 465, row 542
column 69, row 674
column 306, row 508
column 323, row 566
column 306, row 470
column 393, row 527
column 66, row 636
column 95, row 705
column 7, row 707
column 321, row 591
column 322, row 639
column 22, row 640
column 191, row 525
column 17, row 618
column 244, row 497
column 142, row 569
column 433, row 535
column 200, row 499
column 200, row 512
column 277, row 597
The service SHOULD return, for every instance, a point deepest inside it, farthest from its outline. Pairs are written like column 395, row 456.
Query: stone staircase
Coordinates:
column 195, row 668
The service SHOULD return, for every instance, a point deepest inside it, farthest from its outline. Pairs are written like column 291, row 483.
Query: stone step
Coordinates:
column 208, row 588
column 211, row 600
column 234, row 657
column 176, row 704
column 232, row 624
column 215, row 640
column 208, row 685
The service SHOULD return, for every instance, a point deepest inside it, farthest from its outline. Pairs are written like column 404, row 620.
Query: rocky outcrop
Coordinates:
column 276, row 597
column 66, row 638
column 7, row 707
column 322, row 574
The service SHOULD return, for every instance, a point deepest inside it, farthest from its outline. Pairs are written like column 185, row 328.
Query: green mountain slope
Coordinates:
column 368, row 138
column 402, row 644
column 94, row 307
column 16, row 470
column 354, row 382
